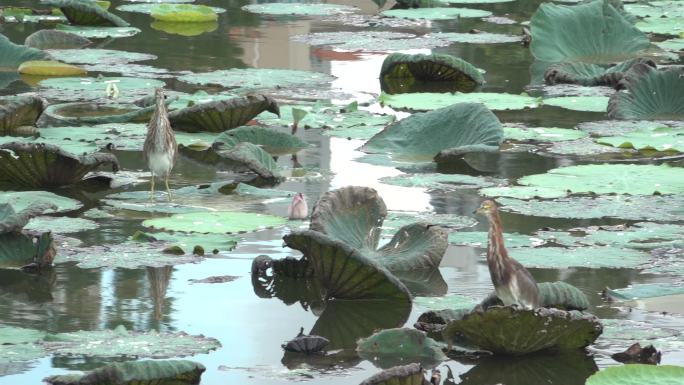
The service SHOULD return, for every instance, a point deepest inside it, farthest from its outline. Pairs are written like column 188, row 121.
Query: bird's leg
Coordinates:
column 168, row 190
column 152, row 188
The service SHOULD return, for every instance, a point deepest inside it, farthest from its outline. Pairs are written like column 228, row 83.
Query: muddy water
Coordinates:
column 252, row 319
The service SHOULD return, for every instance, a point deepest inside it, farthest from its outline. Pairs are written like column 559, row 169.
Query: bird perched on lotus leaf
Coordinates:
column 513, row 284
column 298, row 208
column 160, row 149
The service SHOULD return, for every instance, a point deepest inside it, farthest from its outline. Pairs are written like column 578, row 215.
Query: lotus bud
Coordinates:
column 298, row 208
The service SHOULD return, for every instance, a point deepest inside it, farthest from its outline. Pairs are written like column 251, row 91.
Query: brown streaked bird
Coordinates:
column 513, row 284
column 160, row 149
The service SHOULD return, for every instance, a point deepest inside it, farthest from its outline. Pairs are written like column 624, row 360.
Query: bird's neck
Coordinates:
column 496, row 251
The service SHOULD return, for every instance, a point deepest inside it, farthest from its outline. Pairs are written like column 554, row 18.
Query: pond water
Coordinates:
column 252, row 319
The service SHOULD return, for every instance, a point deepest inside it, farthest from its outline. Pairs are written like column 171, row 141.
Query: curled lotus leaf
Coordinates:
column 12, row 221
column 271, row 140
column 588, row 74
column 221, row 115
column 592, row 32
column 180, row 372
column 391, row 346
column 12, row 55
column 307, row 344
column 46, row 165
column 81, row 114
column 650, row 94
column 411, row 374
column 562, row 295
column 55, row 39
column 447, row 69
column 634, row 374
column 19, row 251
column 515, row 331
column 87, row 13
column 461, row 127
column 17, row 111
column 249, row 156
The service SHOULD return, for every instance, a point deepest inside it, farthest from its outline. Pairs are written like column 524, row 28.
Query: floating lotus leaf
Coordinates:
column 479, row 38
column 431, row 101
column 271, row 140
column 586, row 148
column 660, row 139
column 281, row 9
column 480, row 239
column 411, row 374
column 215, row 222
column 475, row 1
column 80, row 114
column 391, row 346
column 185, row 29
column 123, row 343
column 423, row 136
column 258, row 78
column 661, row 25
column 442, row 181
column 84, row 139
column 61, row 225
column 187, row 242
column 396, row 220
column 370, row 40
column 179, row 372
column 221, row 115
column 436, row 13
column 623, row 127
column 593, row 32
column 126, row 255
column 99, row 32
column 579, row 103
column 451, row 302
column 25, row 199
column 644, row 291
column 76, row 89
column 54, row 39
column 504, row 330
column 561, row 295
column 672, row 44
column 18, row 250
column 13, row 54
column 643, row 235
column 588, row 74
column 45, row 165
column 184, row 13
column 10, row 335
column 13, row 221
column 460, row 74
column 49, row 68
column 541, row 134
column 335, row 120
column 343, row 271
column 590, row 257
column 624, row 331
column 652, row 94
column 17, row 111
column 635, row 374
column 87, row 13
column 98, row 56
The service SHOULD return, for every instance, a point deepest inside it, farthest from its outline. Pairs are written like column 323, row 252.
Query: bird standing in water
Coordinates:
column 513, row 284
column 160, row 149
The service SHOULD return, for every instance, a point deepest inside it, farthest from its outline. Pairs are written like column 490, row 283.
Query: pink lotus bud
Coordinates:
column 298, row 208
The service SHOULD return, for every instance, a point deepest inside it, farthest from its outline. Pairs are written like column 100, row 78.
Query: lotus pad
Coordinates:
column 479, row 38
column 400, row 345
column 271, row 140
column 74, row 89
column 590, row 257
column 280, row 9
column 13, row 221
column 43, row 165
column 464, row 127
column 411, row 374
column 16, row 111
column 61, row 225
column 504, row 330
column 644, row 235
column 220, row 222
column 14, row 54
column 662, row 25
column 660, row 139
column 87, row 13
column 221, row 115
column 178, row 371
column 98, row 56
column 431, row 68
column 644, row 291
column 126, row 255
column 52, row 38
column 541, row 134
column 436, row 13
column 579, row 103
column 451, row 302
column 253, row 78
column 442, row 181
column 587, row 74
column 430, row 101
column 187, row 242
column 636, row 374
column 25, row 199
column 593, row 32
column 49, row 68
column 652, row 94
column 480, row 239
column 370, row 40
column 99, row 32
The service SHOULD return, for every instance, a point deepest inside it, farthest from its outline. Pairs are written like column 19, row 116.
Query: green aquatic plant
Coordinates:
column 179, row 372
column 87, row 13
column 402, row 70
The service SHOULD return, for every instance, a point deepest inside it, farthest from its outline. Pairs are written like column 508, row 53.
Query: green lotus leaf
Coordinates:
column 14, row 54
column 634, row 374
column 592, row 32
column 480, row 239
column 370, row 40
column 18, row 250
column 221, row 115
column 125, row 255
column 587, row 148
column 479, row 38
column 579, row 103
column 98, row 56
column 650, row 94
column 187, row 242
column 623, row 127
column 281, row 9
column 184, row 13
column 610, row 178
column 80, row 114
column 642, row 291
column 431, row 101
column 12, row 221
column 87, row 13
column 672, row 44
column 451, row 302
column 660, row 139
column 562, row 295
column 541, row 134
column 123, row 343
column 258, row 78
column 179, row 372
column 10, row 335
column 442, row 181
column 436, row 13
column 17, row 111
column 61, row 225
column 643, row 235
column 461, row 75
column 411, row 374
column 504, row 330
column 185, row 29
column 619, row 332
column 396, row 220
column 588, row 74
column 655, row 9
column 388, row 347
column 271, row 140
column 590, row 257
column 249, row 157
column 343, row 271
column 85, row 139
column 49, row 68
column 218, row 222
column 423, row 136
column 45, row 165
column 661, row 25
column 88, row 89
column 54, row 39
column 99, row 32
column 23, row 200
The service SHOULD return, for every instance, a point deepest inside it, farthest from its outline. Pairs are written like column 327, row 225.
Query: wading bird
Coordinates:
column 160, row 149
column 298, row 208
column 513, row 284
